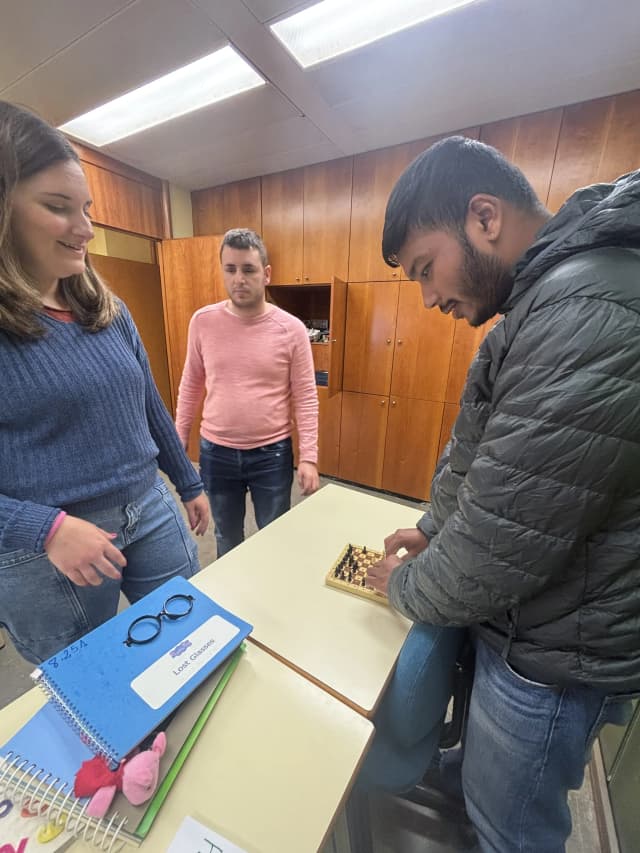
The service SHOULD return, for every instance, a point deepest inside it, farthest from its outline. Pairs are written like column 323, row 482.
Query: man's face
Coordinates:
column 455, row 276
column 244, row 277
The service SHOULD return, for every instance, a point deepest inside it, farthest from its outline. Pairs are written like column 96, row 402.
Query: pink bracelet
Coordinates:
column 57, row 521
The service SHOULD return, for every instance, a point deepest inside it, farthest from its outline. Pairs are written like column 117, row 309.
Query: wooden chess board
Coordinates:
column 349, row 572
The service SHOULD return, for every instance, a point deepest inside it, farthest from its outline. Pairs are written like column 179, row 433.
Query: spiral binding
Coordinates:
column 88, row 733
column 33, row 788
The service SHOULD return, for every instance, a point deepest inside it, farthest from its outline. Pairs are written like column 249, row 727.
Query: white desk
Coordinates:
column 270, row 769
column 275, row 580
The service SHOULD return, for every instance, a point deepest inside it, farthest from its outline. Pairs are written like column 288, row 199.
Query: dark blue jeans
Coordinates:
column 266, row 472
column 526, row 746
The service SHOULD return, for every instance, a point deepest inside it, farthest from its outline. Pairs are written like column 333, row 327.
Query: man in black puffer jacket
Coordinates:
column 533, row 538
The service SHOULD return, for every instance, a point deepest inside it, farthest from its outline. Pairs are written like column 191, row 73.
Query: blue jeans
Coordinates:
column 266, row 472
column 43, row 611
column 526, row 746
column 409, row 718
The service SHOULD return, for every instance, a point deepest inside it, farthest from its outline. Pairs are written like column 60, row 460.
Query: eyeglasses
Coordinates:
column 144, row 629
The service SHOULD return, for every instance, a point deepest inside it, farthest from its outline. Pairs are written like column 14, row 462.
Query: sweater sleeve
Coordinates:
column 304, row 395
column 24, row 524
column 172, row 457
column 560, row 445
column 192, row 384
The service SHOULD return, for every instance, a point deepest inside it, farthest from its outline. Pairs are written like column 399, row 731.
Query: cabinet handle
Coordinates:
column 333, row 341
column 297, row 278
column 399, row 340
column 382, row 402
column 394, row 274
column 306, row 278
column 388, row 340
column 393, row 402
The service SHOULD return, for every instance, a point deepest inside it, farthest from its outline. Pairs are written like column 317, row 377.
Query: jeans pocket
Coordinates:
column 14, row 558
column 522, row 679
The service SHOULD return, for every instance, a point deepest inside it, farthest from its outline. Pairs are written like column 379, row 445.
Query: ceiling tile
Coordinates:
column 143, row 42
column 38, row 31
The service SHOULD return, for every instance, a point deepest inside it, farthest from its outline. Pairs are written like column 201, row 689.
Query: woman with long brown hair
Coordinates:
column 83, row 430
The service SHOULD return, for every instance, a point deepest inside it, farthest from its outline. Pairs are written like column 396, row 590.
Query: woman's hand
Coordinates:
column 198, row 514
column 84, row 553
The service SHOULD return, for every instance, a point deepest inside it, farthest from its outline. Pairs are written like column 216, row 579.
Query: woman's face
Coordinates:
column 50, row 222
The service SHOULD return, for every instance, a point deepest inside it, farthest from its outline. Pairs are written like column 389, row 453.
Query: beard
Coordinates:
column 485, row 281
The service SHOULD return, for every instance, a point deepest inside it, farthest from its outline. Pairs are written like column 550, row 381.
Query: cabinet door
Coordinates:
column 530, row 143
column 411, row 449
column 120, row 202
column 362, row 437
column 370, row 331
column 282, row 225
column 191, row 278
column 374, row 175
column 235, row 205
column 337, row 320
column 422, row 348
column 329, row 432
column 327, row 212
column 466, row 341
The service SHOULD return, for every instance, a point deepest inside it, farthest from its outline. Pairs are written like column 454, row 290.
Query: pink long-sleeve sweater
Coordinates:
column 255, row 374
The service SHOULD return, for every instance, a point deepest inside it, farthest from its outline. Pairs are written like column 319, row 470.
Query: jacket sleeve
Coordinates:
column 560, row 444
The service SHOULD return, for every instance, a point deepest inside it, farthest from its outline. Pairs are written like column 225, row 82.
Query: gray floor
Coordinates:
column 394, row 832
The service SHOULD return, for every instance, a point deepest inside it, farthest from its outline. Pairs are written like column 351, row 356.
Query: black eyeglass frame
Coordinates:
column 188, row 599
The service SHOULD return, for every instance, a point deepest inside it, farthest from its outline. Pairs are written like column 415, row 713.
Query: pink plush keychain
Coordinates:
column 136, row 777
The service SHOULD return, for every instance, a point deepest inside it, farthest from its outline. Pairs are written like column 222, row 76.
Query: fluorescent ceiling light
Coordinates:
column 205, row 81
column 333, row 27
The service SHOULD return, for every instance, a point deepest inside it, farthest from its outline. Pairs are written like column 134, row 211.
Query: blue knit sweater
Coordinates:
column 82, row 428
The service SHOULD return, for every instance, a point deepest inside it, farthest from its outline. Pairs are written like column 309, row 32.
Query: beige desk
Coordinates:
column 275, row 580
column 269, row 771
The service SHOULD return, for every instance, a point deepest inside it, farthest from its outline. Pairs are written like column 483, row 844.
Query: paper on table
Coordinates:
column 195, row 837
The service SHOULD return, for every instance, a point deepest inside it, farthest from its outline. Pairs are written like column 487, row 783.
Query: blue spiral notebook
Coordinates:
column 114, row 693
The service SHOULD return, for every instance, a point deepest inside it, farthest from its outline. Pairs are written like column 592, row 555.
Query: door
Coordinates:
column 138, row 285
column 362, row 436
column 369, row 339
column 422, row 348
column 327, row 214
column 191, row 278
column 329, row 432
column 411, row 449
column 466, row 341
column 282, row 224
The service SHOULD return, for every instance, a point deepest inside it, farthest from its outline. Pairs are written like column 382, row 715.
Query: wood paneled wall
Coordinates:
column 559, row 150
column 123, row 197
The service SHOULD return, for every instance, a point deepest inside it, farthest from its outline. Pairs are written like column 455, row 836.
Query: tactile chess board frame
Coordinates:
column 353, row 588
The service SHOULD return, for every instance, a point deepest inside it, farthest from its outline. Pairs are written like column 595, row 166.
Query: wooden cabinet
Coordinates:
column 120, row 202
column 191, row 278
column 449, row 415
column 389, row 443
column 235, row 205
column 393, row 345
column 362, row 438
column 319, row 302
column 411, row 446
column 466, row 342
column 305, row 222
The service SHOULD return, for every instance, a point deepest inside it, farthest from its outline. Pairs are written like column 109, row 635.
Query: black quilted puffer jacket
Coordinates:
column 535, row 516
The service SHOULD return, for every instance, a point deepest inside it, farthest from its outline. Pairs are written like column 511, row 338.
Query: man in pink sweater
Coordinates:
column 252, row 362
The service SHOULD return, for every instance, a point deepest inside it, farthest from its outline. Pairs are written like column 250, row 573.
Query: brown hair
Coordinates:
column 29, row 145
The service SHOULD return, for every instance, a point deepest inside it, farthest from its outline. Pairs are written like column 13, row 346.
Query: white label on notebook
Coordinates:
column 195, row 837
column 167, row 675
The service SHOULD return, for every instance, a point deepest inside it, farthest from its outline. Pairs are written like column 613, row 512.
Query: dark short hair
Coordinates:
column 434, row 191
column 245, row 238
